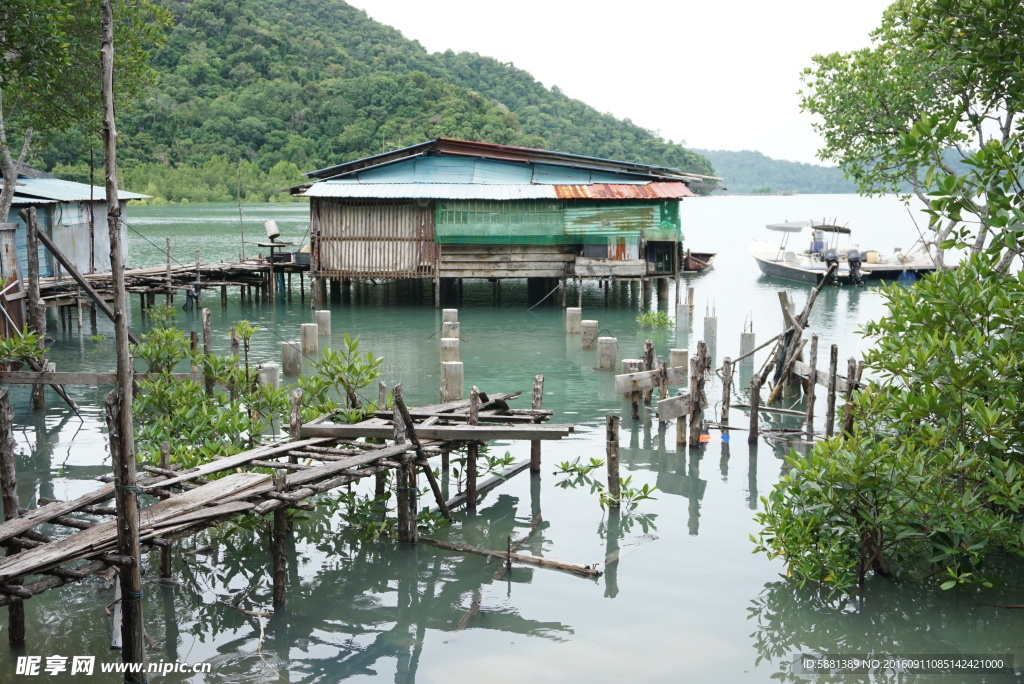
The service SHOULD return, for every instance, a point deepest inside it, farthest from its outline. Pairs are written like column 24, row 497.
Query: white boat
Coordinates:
column 810, row 263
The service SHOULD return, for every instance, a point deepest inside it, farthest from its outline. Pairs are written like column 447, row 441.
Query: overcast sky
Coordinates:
column 715, row 75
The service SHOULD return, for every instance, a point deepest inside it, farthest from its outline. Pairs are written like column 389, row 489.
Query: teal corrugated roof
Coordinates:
column 67, row 191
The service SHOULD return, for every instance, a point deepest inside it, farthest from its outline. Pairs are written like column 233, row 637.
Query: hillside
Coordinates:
column 754, row 172
column 251, row 93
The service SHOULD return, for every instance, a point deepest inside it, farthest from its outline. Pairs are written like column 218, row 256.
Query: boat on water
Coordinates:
column 697, row 262
column 810, row 264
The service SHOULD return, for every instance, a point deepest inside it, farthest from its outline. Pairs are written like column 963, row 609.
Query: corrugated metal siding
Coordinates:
column 450, row 191
column 373, row 239
column 624, row 191
column 67, row 191
column 487, row 222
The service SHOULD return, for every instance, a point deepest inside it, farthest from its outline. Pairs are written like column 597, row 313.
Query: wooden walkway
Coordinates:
column 319, row 457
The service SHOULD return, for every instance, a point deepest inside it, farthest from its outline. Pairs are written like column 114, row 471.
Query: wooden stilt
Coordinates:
column 696, row 384
column 167, row 274
column 811, row 383
column 472, row 451
column 279, row 546
column 9, row 495
column 207, row 350
column 633, row 366
column 853, row 372
column 166, row 557
column 830, row 411
column 612, row 446
column 36, row 310
column 726, row 389
column 755, row 404
column 120, row 420
column 649, row 364
column 538, row 400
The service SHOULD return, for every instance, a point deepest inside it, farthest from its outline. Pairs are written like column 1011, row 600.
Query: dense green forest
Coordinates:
column 251, row 93
column 753, row 172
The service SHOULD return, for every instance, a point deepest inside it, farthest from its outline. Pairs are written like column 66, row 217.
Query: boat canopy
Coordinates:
column 829, row 228
column 789, row 226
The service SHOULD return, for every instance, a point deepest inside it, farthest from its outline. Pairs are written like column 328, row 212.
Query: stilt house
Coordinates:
column 457, row 209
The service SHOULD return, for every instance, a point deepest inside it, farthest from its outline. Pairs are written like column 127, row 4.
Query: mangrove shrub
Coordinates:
column 929, row 484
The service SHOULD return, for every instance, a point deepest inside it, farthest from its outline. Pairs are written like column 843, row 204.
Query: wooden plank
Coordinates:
column 454, row 433
column 608, row 267
column 103, row 535
column 506, row 257
column 674, row 407
column 238, row 460
column 821, row 377
column 634, row 382
column 585, row 570
column 463, row 404
column 77, row 378
column 514, row 272
column 489, row 417
column 38, row 516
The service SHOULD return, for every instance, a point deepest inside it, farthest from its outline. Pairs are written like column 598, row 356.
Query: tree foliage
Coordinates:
column 931, row 484
column 50, row 69
column 312, row 84
column 942, row 81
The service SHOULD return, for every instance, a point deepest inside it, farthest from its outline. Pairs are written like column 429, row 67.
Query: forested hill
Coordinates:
column 754, row 172
column 288, row 87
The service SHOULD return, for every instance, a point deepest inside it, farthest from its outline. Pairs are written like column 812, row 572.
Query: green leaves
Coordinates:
column 931, row 485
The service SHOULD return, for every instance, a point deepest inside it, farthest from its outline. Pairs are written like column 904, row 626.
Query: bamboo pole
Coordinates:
column 208, row 350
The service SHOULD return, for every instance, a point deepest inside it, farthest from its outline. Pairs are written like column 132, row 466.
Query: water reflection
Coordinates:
column 887, row 619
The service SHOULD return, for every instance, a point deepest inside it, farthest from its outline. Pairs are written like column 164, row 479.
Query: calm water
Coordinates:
column 687, row 599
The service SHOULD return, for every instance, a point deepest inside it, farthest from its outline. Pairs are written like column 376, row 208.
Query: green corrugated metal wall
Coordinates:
column 545, row 222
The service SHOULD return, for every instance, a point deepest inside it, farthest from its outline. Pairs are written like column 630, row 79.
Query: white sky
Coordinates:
column 715, row 75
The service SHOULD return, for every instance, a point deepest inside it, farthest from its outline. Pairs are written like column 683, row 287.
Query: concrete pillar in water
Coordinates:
column 451, row 381
column 291, row 358
column 323, row 322
column 450, row 329
column 588, row 334
column 747, row 344
column 573, row 318
column 450, row 316
column 308, row 333
column 270, row 374
column 711, row 330
column 679, row 358
column 607, row 352
column 449, row 349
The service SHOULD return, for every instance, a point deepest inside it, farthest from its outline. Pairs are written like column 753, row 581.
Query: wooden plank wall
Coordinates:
column 506, row 261
column 368, row 239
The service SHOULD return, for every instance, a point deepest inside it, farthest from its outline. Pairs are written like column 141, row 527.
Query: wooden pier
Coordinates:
column 316, row 458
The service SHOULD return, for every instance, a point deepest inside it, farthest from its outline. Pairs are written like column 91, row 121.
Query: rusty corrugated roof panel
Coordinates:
column 621, row 191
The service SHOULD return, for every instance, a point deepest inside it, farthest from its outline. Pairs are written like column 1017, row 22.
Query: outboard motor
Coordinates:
column 831, row 258
column 854, row 260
